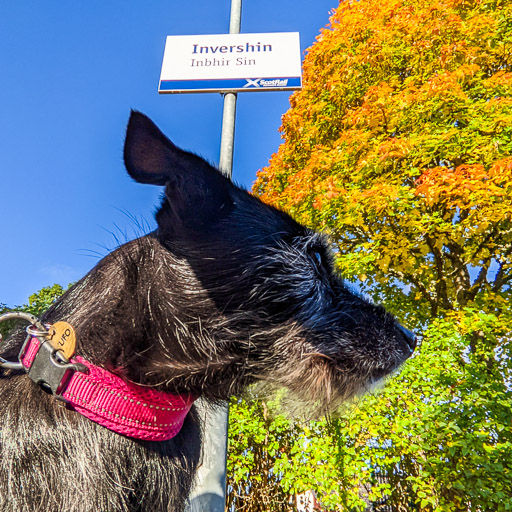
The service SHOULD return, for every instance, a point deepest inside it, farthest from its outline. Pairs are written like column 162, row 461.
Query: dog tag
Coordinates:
column 62, row 337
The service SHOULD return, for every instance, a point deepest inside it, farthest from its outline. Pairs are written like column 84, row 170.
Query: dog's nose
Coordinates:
column 409, row 336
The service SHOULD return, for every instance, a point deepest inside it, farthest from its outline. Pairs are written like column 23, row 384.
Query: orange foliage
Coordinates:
column 400, row 145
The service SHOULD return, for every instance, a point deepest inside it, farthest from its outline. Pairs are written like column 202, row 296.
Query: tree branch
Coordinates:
column 441, row 291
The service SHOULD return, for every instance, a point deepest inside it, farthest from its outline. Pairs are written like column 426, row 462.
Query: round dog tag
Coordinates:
column 62, row 337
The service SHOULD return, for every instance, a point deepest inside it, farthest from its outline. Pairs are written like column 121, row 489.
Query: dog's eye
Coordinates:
column 318, row 258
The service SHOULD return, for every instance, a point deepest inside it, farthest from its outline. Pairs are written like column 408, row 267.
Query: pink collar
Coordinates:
column 124, row 407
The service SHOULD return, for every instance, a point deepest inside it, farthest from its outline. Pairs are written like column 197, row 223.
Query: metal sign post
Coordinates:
column 227, row 64
column 209, row 493
column 227, row 141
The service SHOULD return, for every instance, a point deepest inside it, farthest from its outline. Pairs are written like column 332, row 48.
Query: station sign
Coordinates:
column 231, row 63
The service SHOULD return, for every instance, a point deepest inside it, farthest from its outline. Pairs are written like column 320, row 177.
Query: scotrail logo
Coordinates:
column 262, row 82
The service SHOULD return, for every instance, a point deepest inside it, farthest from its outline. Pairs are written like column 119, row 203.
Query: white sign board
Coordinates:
column 231, row 62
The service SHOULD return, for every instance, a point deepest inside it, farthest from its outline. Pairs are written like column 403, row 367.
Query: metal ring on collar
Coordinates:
column 36, row 328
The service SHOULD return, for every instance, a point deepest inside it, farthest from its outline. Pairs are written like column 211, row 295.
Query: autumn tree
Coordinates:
column 399, row 146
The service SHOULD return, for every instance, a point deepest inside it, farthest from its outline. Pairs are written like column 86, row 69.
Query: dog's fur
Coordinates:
column 226, row 292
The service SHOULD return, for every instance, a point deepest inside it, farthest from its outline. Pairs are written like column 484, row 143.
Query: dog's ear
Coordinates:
column 149, row 156
column 196, row 191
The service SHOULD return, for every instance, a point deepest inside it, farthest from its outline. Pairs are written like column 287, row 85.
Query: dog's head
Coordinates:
column 253, row 293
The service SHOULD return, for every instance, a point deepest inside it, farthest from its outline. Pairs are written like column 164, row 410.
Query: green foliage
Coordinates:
column 437, row 437
column 442, row 431
column 4, row 329
column 38, row 303
column 400, row 147
column 272, row 458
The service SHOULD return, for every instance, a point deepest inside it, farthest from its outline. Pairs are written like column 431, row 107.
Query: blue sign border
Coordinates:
column 231, row 84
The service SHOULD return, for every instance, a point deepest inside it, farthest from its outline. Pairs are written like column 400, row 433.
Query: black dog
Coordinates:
column 226, row 292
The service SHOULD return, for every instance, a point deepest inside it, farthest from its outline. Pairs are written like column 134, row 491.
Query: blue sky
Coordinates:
column 70, row 72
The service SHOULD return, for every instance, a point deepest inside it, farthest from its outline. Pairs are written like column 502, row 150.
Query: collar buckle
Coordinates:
column 51, row 371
